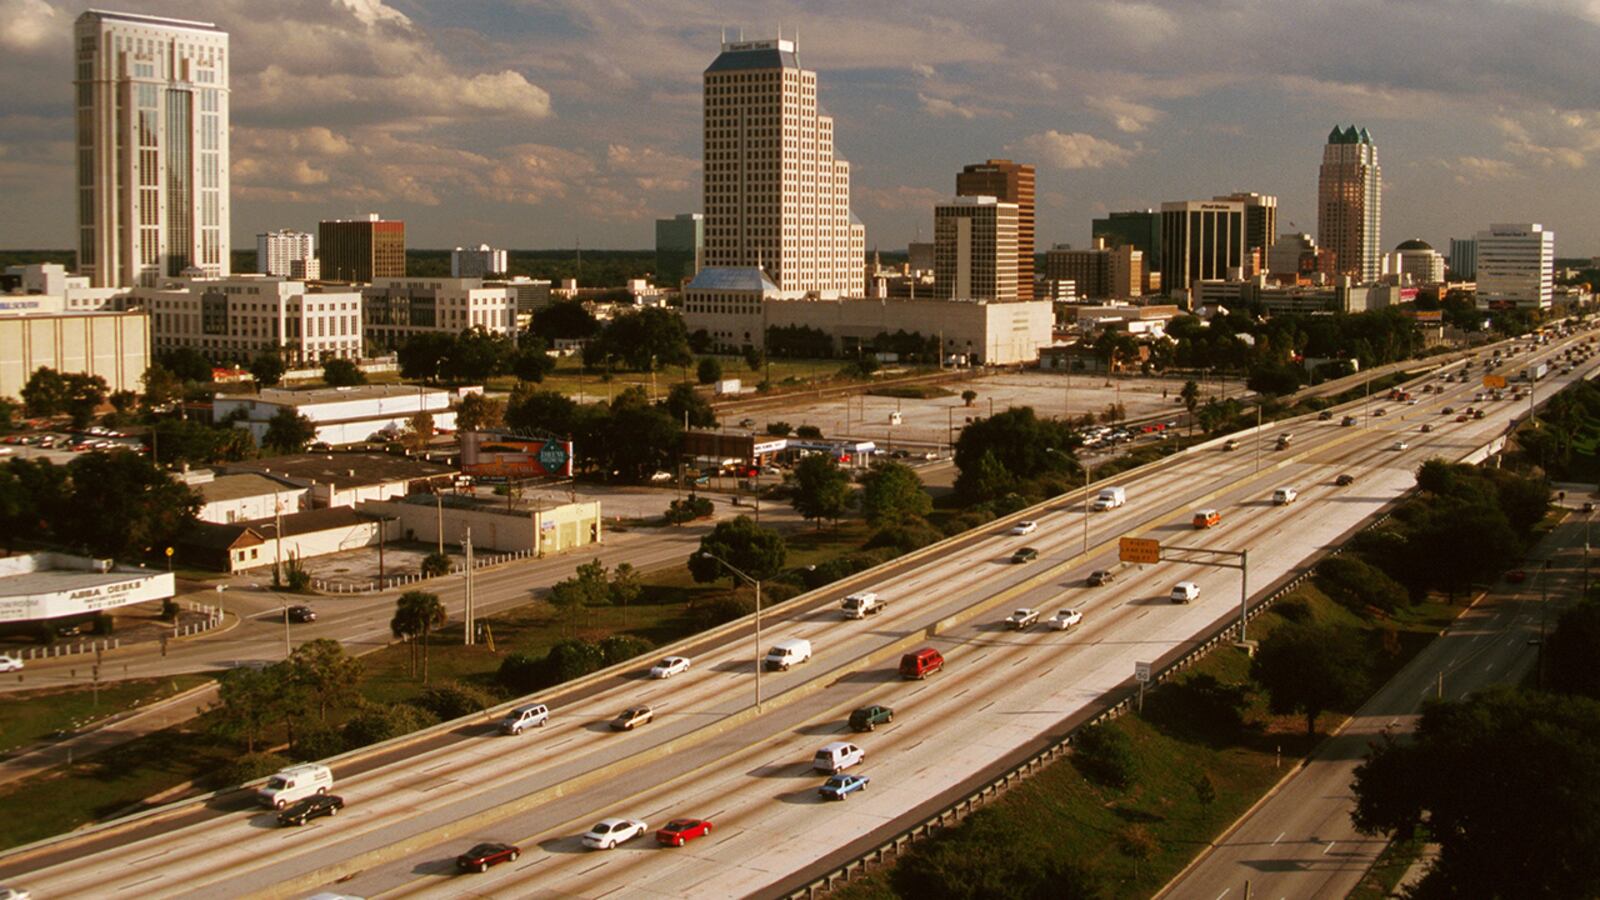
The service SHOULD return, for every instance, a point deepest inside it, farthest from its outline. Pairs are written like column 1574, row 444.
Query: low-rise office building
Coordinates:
column 345, row 479
column 496, row 523
column 241, row 317
column 342, row 415
column 36, row 587
column 398, row 308
column 37, row 331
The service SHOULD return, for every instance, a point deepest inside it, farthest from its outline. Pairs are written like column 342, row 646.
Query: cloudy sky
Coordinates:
column 539, row 123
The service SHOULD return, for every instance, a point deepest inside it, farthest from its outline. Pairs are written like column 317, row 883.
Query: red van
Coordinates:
column 921, row 663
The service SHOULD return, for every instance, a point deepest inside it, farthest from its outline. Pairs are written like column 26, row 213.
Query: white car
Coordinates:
column 669, row 667
column 1022, row 618
column 1401, row 445
column 608, row 833
column 1025, row 528
column 14, row 894
column 9, row 664
column 1066, row 619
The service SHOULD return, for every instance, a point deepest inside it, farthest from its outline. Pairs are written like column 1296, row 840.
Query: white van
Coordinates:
column 836, row 757
column 531, row 715
column 859, row 606
column 1185, row 592
column 1284, row 496
column 294, row 784
column 788, row 652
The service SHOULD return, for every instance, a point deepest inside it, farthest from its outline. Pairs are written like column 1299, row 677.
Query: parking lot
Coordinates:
column 61, row 447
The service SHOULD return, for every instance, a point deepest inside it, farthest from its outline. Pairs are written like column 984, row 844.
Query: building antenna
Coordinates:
column 724, row 34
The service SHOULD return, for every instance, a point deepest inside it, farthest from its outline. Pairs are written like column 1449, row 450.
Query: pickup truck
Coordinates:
column 1022, row 618
column 859, row 606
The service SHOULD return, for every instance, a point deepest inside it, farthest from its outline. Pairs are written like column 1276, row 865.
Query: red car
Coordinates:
column 1516, row 576
column 481, row 857
column 681, row 831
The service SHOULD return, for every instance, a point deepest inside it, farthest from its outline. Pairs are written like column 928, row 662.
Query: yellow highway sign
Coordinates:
column 1139, row 550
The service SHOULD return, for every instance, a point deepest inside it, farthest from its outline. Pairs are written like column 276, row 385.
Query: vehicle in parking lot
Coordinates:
column 1345, row 479
column 840, row 787
column 311, row 808
column 1066, row 618
column 1025, row 527
column 868, row 718
column 632, row 718
column 669, row 667
column 521, row 718
column 482, row 856
column 1206, row 518
column 681, row 831
column 1026, row 554
column 1185, row 592
column 919, row 664
column 1101, row 576
column 837, row 756
column 10, row 664
column 1022, row 618
column 608, row 833
column 301, row 614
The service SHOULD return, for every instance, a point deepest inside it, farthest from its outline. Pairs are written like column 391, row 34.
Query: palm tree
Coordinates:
column 416, row 614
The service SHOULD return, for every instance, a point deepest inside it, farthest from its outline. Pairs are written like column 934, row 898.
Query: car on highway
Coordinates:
column 608, row 833
column 1426, row 428
column 1025, row 527
column 1325, row 415
column 930, row 455
column 632, row 718
column 1380, row 411
column 919, row 664
column 1462, row 418
column 8, row 893
column 672, row 665
column 1026, row 554
column 836, row 756
column 1022, row 618
column 1344, row 480
column 681, row 831
column 1185, row 592
column 746, row 423
column 521, row 718
column 300, row 614
column 1101, row 576
column 1066, row 618
column 1588, row 506
column 482, row 856
column 10, row 664
column 1347, row 421
column 1230, row 444
column 1448, row 411
column 1517, row 576
column 1207, row 518
column 311, row 808
column 1399, row 445
column 1478, row 414
column 868, row 718
column 840, row 787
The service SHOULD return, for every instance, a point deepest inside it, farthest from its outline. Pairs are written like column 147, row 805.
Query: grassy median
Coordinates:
column 30, row 716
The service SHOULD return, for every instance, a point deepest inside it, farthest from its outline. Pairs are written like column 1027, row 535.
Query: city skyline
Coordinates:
column 546, row 126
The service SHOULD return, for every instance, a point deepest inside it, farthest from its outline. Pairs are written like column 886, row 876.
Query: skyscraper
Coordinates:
column 1516, row 266
column 152, row 112
column 975, row 249
column 680, row 247
column 1350, row 203
column 1009, row 182
column 291, row 254
column 1260, row 221
column 776, row 197
column 1202, row 240
column 362, row 249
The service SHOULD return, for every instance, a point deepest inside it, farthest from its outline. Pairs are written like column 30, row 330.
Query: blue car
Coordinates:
column 841, row 786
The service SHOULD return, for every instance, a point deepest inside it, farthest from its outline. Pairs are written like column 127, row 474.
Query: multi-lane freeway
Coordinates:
column 708, row 754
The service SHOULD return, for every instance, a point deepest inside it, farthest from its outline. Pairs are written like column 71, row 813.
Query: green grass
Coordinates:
column 30, row 716
column 1059, row 808
column 1391, row 866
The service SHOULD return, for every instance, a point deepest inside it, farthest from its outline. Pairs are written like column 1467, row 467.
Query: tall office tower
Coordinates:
column 1203, row 241
column 362, row 249
column 1516, row 265
column 277, row 252
column 775, row 195
column 1139, row 228
column 975, row 250
column 478, row 262
column 1464, row 258
column 1009, row 182
column 152, row 104
column 680, row 247
column 1260, row 221
column 1350, row 202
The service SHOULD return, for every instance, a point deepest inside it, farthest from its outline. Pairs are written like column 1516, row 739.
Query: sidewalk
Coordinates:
column 112, row 733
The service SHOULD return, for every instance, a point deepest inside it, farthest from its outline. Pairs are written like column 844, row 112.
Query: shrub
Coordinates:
column 520, row 672
column 779, row 429
column 435, row 564
column 381, row 721
column 726, row 608
column 974, row 517
column 1294, row 611
column 809, row 432
column 778, row 591
column 620, row 647
column 169, row 610
column 312, row 743
column 1200, row 704
column 248, row 767
column 453, row 700
column 1350, row 582
column 1104, row 754
column 572, row 658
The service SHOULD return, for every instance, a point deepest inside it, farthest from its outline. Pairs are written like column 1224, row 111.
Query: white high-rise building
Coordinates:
column 152, row 124
column 291, row 254
column 975, row 249
column 478, row 263
column 1516, row 266
column 776, row 197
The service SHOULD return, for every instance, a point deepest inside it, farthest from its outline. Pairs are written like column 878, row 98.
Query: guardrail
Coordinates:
column 392, row 582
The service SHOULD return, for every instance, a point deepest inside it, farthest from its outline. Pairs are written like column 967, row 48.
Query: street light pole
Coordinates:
column 757, row 582
column 1088, row 476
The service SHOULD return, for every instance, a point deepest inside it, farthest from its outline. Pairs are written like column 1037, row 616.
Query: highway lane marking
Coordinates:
column 1329, row 847
column 1047, row 672
column 592, row 868
column 439, row 766
column 1224, row 893
column 153, row 855
column 987, row 705
column 154, row 877
column 529, row 865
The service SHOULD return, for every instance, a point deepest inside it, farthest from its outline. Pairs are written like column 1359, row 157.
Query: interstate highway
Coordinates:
column 999, row 690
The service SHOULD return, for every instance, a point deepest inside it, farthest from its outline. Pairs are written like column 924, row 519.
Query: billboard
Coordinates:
column 487, row 456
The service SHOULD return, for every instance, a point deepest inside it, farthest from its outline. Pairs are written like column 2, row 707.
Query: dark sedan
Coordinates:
column 481, row 857
column 301, row 614
column 311, row 808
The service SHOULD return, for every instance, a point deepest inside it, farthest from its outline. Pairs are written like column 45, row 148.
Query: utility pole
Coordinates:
column 438, row 500
column 1088, row 476
column 757, row 583
column 1258, row 435
column 468, row 611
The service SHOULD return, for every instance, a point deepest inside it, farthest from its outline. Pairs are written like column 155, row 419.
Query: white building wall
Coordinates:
column 277, row 252
column 239, row 318
column 1516, row 265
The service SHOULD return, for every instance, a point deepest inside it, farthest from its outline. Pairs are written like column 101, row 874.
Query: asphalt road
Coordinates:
column 708, row 755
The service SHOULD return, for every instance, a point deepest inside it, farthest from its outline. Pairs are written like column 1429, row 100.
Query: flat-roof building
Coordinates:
column 342, row 415
column 360, row 250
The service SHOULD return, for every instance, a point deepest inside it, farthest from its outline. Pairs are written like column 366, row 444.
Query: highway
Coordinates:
column 1300, row 842
column 708, row 753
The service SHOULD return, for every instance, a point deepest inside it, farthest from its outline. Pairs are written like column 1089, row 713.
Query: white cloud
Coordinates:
column 372, row 13
column 1076, row 150
column 31, row 24
column 900, row 197
column 1127, row 115
column 1473, row 169
column 940, row 107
